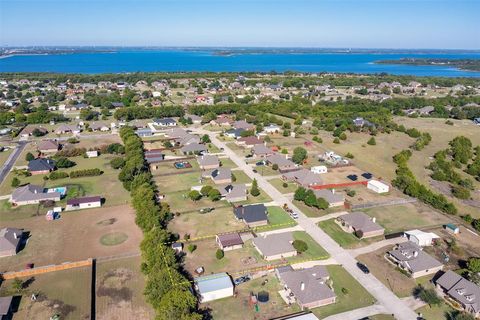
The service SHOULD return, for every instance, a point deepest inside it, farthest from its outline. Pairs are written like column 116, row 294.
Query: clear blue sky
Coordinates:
column 445, row 24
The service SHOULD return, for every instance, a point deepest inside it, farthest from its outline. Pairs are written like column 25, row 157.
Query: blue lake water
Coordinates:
column 178, row 60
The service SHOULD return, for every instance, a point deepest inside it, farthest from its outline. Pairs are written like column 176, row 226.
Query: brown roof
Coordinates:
column 230, row 239
column 76, row 201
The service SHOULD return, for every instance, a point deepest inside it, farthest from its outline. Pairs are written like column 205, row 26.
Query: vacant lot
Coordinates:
column 66, row 293
column 75, row 236
column 238, row 307
column 353, row 295
column 119, row 290
column 313, row 212
column 278, row 184
column 386, row 272
column 345, row 239
column 406, row 217
column 179, row 202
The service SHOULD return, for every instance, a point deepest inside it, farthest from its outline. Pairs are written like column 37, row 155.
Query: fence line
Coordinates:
column 382, row 204
column 46, row 269
column 339, row 185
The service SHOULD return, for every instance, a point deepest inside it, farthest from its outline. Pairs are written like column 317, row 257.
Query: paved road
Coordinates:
column 377, row 245
column 376, row 288
column 358, row 313
column 7, row 166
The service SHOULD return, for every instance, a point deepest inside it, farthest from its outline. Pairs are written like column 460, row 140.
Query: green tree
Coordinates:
column 343, row 136
column 300, row 194
column 275, row 166
column 300, row 246
column 474, row 265
column 63, row 162
column 29, row 156
column 219, row 254
column 336, row 141
column 372, row 141
column 310, row 199
column 214, row 195
column 206, row 190
column 428, row 296
column 206, row 138
column 322, row 203
column 191, row 248
column 15, row 182
column 177, row 303
column 194, row 195
column 461, row 192
column 254, row 191
column 117, row 163
column 299, row 155
column 17, row 285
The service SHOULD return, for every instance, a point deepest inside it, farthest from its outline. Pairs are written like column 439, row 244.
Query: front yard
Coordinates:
column 344, row 239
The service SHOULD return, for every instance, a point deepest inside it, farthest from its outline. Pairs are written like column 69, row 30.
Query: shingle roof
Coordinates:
column 329, row 195
column 208, row 160
column 304, row 177
column 5, row 304
column 8, row 240
column 467, row 292
column 77, row 201
column 413, row 258
column 275, row 244
column 360, row 221
column 251, row 213
column 194, row 147
column 230, row 239
column 47, row 145
column 31, row 192
column 41, row 164
column 221, row 174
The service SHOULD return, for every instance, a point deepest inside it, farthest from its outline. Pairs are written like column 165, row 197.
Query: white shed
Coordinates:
column 214, row 286
column 92, row 154
column 377, row 186
column 421, row 238
column 319, row 169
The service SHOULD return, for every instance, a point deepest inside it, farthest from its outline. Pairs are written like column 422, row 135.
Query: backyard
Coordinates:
column 345, row 239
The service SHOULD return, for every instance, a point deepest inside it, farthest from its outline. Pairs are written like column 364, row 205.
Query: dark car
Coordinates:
column 241, row 280
column 363, row 267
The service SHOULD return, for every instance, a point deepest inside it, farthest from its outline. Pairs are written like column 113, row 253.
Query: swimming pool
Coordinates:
column 61, row 190
column 182, row 165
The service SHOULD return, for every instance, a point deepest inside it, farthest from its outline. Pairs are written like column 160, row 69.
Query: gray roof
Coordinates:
column 208, row 160
column 360, row 221
column 251, row 213
column 275, row 244
column 213, row 282
column 411, row 256
column 462, row 290
column 182, row 137
column 47, row 145
column 242, row 124
column 280, row 160
column 165, row 121
column 8, row 240
column 31, row 192
column 261, row 149
column 233, row 191
column 5, row 303
column 304, row 177
column 329, row 195
column 221, row 174
column 41, row 164
column 194, row 147
column 98, row 126
column 313, row 279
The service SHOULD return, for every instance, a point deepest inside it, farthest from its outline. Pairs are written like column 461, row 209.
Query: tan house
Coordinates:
column 208, row 162
column 360, row 224
column 275, row 246
column 410, row 257
column 230, row 241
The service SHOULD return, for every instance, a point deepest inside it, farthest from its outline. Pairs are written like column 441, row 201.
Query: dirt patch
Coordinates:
column 113, row 285
column 107, row 222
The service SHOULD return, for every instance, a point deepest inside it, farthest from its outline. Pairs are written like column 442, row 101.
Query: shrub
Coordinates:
column 117, row 163
column 214, row 195
column 322, row 203
column 63, row 162
column 55, row 175
column 285, row 185
column 191, row 248
column 73, row 152
column 372, row 141
column 351, row 193
column 300, row 194
column 219, row 254
column 86, row 173
column 194, row 195
column 234, row 178
column 15, row 182
column 349, row 155
column 73, row 140
column 461, row 192
column 359, row 234
column 206, row 190
column 300, row 246
column 254, row 191
column 343, row 136
column 29, row 156
column 114, row 148
column 345, row 291
column 275, row 166
column 336, row 141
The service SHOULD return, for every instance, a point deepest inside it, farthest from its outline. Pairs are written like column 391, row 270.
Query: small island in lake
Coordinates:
column 463, row 64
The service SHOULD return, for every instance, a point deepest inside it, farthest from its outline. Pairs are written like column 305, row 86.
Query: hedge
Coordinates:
column 55, row 175
column 85, row 173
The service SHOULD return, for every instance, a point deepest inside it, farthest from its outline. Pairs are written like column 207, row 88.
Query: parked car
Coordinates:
column 255, row 170
column 241, row 280
column 206, row 210
column 294, row 215
column 363, row 267
column 29, row 266
column 260, row 163
column 249, row 156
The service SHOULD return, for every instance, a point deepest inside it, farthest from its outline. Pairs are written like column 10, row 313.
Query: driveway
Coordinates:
column 376, row 288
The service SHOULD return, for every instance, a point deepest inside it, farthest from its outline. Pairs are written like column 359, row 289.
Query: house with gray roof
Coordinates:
column 360, row 224
column 193, row 148
column 234, row 192
column 242, row 124
column 99, row 126
column 181, row 137
column 47, row 146
column 41, row 166
column 206, row 162
column 165, row 122
column 283, row 163
column 303, row 177
column 253, row 215
column 214, row 286
column 333, row 198
column 410, row 257
column 10, row 239
column 67, row 129
column 262, row 151
column 465, row 292
column 308, row 287
column 219, row 175
column 229, row 241
column 275, row 246
column 5, row 307
column 32, row 194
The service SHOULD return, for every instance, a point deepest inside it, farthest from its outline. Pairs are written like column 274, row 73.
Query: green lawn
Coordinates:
column 314, row 251
column 179, row 202
column 227, row 163
column 8, row 213
column 241, row 177
column 261, row 198
column 312, row 212
column 173, row 183
column 266, row 171
column 355, row 297
column 4, row 155
column 278, row 184
column 435, row 312
column 278, row 216
column 344, row 239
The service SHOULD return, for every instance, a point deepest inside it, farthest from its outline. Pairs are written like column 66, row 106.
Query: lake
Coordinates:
column 207, row 60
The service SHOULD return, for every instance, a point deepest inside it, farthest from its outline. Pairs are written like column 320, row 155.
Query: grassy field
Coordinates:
column 278, row 216
column 241, row 177
column 406, row 217
column 119, row 290
column 173, row 183
column 67, row 293
column 314, row 212
column 436, row 312
column 227, row 163
column 314, row 251
column 9, row 213
column 261, row 198
column 278, row 184
column 344, row 239
column 355, row 297
column 179, row 202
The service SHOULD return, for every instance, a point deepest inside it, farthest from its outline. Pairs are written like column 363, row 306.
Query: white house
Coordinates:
column 214, row 286
column 377, row 186
column 83, row 203
column 319, row 169
column 421, row 238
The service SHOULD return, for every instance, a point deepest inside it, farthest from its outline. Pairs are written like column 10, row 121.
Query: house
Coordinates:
column 272, row 129
column 319, row 169
column 193, row 148
column 275, row 246
column 195, row 119
column 308, row 287
column 234, row 192
column 333, row 198
column 222, row 120
column 284, row 165
column 144, row 132
column 177, row 247
column 410, row 257
column 10, row 239
column 47, row 146
column 303, row 177
column 253, row 215
column 298, row 316
column 206, row 162
column 377, row 186
column 83, row 203
column 234, row 133
column 181, row 137
column 92, row 154
column 229, row 241
column 99, row 127
column 165, row 122
column 214, row 286
column 219, row 175
column 361, row 224
column 451, row 228
column 67, row 129
column 421, row 238
column 260, row 150
column 41, row 166
column 242, row 124
column 464, row 292
column 153, row 158
column 477, row 121
column 28, row 131
column 248, row 142
column 32, row 194
column 5, row 307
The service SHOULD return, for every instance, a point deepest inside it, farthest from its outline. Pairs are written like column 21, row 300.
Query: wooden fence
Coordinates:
column 339, row 185
column 46, row 269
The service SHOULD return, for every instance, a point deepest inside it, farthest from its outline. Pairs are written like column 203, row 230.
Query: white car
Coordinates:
column 294, row 215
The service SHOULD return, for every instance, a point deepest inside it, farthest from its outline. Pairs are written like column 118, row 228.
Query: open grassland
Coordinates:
column 278, row 184
column 345, row 239
column 66, row 293
column 75, row 236
column 354, row 297
column 119, row 290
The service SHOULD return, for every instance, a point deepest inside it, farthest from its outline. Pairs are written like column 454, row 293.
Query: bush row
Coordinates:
column 86, row 173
